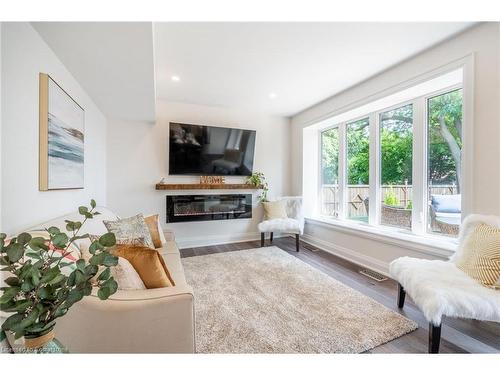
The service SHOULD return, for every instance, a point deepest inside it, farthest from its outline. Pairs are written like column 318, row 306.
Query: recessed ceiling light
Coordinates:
column 175, row 78
column 272, row 95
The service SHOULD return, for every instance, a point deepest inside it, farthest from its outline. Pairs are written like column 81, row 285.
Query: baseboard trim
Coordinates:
column 349, row 254
column 184, row 243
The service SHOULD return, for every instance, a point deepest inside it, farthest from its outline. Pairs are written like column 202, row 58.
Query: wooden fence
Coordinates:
column 357, row 193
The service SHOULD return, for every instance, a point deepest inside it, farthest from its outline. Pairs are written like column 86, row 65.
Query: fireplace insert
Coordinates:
column 208, row 207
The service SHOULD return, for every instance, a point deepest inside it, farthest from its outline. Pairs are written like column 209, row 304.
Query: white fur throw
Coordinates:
column 440, row 289
column 280, row 225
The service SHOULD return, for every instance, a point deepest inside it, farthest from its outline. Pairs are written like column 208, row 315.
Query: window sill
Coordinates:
column 431, row 245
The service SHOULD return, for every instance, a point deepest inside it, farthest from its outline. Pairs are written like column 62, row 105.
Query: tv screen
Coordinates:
column 209, row 150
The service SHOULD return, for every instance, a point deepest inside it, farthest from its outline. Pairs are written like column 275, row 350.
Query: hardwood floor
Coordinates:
column 458, row 335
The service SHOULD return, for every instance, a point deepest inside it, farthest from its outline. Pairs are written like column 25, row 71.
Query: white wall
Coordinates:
column 24, row 56
column 138, row 159
column 483, row 42
column 1, row 26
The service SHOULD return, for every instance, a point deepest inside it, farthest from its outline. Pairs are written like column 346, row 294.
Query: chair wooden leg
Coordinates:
column 262, row 237
column 271, row 237
column 401, row 296
column 434, row 338
column 297, row 242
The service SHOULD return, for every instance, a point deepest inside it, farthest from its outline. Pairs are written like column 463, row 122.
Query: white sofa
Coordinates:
column 130, row 321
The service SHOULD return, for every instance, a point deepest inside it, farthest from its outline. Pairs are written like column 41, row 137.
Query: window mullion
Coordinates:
column 374, row 171
column 342, row 171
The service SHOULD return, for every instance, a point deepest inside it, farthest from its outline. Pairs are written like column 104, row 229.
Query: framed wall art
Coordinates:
column 62, row 136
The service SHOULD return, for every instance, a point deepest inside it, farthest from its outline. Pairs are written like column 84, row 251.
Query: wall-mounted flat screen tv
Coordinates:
column 210, row 150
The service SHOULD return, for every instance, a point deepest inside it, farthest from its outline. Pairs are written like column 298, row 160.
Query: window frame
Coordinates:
column 425, row 160
column 420, row 183
column 320, row 174
column 378, row 187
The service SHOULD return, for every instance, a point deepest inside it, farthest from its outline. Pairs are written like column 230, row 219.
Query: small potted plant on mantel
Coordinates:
column 259, row 180
column 38, row 289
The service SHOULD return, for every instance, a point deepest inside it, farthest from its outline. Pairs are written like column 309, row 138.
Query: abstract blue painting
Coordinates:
column 65, row 140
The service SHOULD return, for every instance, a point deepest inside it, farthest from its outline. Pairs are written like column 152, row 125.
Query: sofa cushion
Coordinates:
column 169, row 247
column 175, row 268
column 168, row 235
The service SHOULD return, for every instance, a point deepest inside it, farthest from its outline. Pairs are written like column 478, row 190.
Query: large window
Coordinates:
column 398, row 167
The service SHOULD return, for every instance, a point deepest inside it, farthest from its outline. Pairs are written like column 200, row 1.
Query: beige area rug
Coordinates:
column 267, row 301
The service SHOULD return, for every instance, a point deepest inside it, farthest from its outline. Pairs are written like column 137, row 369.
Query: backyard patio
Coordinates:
column 396, row 206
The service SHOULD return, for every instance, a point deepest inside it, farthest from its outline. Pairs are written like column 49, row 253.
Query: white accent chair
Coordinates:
column 440, row 288
column 293, row 224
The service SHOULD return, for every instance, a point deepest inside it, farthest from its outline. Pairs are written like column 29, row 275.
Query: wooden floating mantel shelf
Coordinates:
column 206, row 187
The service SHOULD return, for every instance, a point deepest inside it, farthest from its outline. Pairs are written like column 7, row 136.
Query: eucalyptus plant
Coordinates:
column 258, row 179
column 37, row 292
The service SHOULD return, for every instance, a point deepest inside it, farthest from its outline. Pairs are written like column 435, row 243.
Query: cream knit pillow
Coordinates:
column 274, row 210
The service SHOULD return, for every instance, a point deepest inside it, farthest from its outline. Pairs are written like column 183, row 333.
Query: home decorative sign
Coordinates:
column 62, row 123
column 212, row 180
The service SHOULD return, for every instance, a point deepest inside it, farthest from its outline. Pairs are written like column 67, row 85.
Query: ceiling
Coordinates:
column 281, row 68
column 113, row 61
column 274, row 68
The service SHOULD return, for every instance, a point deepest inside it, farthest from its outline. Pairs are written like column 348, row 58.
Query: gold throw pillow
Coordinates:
column 153, row 224
column 148, row 263
column 274, row 210
column 481, row 255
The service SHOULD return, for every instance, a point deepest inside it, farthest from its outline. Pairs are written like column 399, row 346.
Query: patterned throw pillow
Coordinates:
column 70, row 256
column 481, row 257
column 131, row 227
column 139, row 241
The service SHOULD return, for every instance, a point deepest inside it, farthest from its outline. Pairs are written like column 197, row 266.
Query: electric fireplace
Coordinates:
column 181, row 208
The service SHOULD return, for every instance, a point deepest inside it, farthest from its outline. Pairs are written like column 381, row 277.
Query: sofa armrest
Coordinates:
column 131, row 321
column 169, row 235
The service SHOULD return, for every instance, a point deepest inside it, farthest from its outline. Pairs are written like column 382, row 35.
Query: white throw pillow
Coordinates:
column 124, row 273
column 126, row 276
